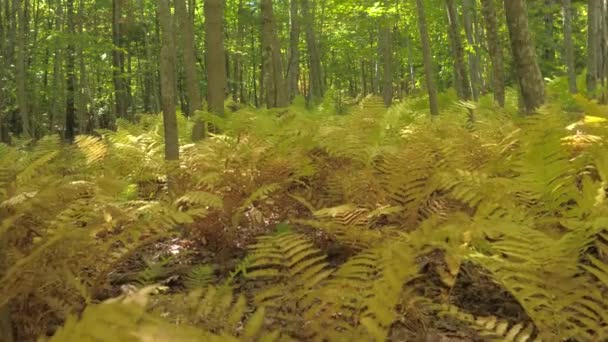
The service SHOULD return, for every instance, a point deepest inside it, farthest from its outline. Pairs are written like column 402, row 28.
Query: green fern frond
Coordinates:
column 360, row 298
column 201, row 198
column 288, row 268
column 199, row 277
column 94, row 148
column 493, row 328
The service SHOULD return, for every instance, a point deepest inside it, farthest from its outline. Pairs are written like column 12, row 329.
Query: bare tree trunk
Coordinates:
column 70, row 110
column 85, row 118
column 4, row 40
column 216, row 58
column 495, row 50
column 118, row 61
column 387, row 60
column 189, row 55
column 21, row 72
column 592, row 46
column 167, row 76
column 57, row 93
column 569, row 47
column 524, row 55
column 549, row 47
column 427, row 59
column 316, row 83
column 239, row 89
column 469, row 15
column 293, row 69
column 463, row 87
column 276, row 92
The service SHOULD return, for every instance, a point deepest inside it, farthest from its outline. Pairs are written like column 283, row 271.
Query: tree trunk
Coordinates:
column 293, row 69
column 57, row 92
column 276, row 92
column 70, row 109
column 495, row 51
column 387, row 60
column 469, row 15
column 167, row 76
column 569, row 47
column 239, row 90
column 592, row 46
column 216, row 58
column 463, row 87
column 118, row 61
column 531, row 82
column 316, row 84
column 549, row 46
column 427, row 59
column 21, row 71
column 84, row 117
column 189, row 55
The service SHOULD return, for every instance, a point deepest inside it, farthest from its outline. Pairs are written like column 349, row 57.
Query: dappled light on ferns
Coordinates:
column 410, row 203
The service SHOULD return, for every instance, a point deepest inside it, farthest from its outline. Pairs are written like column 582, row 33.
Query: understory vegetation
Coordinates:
column 298, row 224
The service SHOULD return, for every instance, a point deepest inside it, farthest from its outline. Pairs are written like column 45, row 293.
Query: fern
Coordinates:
column 199, row 277
column 288, row 268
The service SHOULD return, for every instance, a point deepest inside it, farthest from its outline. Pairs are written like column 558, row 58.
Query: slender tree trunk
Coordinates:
column 427, row 58
column 387, row 60
column 57, row 92
column 549, row 46
column 85, row 119
column 463, row 87
column 70, row 110
column 189, row 55
column 316, row 78
column 603, row 50
column 524, row 55
column 592, row 46
column 495, row 51
column 276, row 92
column 412, row 69
column 118, row 61
column 4, row 27
column 293, row 69
column 21, row 72
column 469, row 15
column 167, row 76
column 239, row 89
column 569, row 47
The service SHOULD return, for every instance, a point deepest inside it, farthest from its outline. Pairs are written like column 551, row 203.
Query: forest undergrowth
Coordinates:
column 298, row 224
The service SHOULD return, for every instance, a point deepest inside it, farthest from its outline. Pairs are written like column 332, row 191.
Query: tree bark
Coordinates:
column 316, row 83
column 21, row 71
column 189, row 55
column 293, row 69
column 216, row 58
column 427, row 58
column 592, row 46
column 387, row 60
column 524, row 55
column 463, row 87
column 495, row 51
column 276, row 92
column 70, row 109
column 569, row 47
column 118, row 61
column 469, row 15
column 167, row 76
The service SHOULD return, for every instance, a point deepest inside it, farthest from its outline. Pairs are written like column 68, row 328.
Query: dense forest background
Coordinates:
column 303, row 170
column 70, row 67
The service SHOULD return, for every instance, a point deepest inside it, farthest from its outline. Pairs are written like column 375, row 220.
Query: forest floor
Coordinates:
column 308, row 225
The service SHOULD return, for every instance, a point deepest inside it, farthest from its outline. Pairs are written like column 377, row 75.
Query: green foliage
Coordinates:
column 408, row 202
